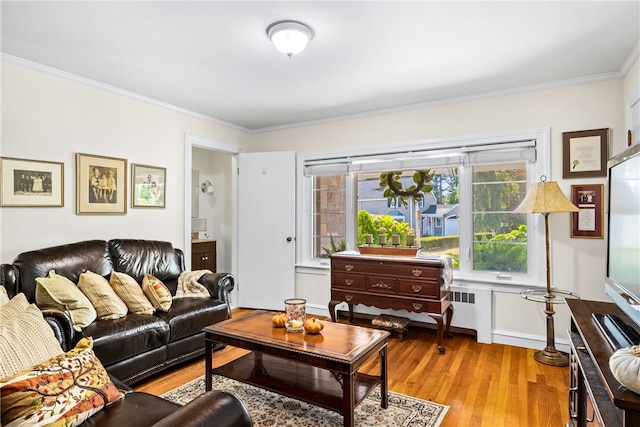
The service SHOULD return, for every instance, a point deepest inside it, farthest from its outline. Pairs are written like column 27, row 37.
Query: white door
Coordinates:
column 266, row 229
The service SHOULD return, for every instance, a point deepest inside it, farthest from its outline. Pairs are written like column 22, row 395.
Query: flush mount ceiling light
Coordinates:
column 289, row 37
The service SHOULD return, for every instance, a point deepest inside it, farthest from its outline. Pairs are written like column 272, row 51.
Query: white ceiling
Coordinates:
column 214, row 58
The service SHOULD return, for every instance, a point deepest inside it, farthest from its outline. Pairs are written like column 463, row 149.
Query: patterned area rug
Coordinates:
column 274, row 410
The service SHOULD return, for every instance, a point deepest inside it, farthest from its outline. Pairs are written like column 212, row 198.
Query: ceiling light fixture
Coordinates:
column 289, row 37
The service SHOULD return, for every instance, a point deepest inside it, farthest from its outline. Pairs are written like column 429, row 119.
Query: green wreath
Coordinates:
column 390, row 183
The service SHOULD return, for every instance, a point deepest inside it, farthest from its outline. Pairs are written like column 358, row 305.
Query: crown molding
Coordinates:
column 445, row 101
column 112, row 89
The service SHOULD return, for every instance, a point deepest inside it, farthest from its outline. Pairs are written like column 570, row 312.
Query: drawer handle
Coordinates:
column 348, row 298
column 348, row 282
column 416, row 288
column 416, row 272
column 348, row 267
column 417, row 305
column 382, row 285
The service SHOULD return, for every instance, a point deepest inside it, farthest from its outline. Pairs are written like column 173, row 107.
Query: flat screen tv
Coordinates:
column 622, row 283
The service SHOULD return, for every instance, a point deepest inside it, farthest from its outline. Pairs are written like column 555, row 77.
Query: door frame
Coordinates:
column 194, row 141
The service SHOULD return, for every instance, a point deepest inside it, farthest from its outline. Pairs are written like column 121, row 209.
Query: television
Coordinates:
column 622, row 282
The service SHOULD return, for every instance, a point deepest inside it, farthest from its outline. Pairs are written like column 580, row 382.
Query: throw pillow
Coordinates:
column 108, row 305
column 25, row 337
column 64, row 390
column 4, row 298
column 157, row 293
column 131, row 293
column 188, row 286
column 60, row 292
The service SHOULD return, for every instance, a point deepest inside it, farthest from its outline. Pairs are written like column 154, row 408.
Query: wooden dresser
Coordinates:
column 398, row 283
column 203, row 255
column 595, row 396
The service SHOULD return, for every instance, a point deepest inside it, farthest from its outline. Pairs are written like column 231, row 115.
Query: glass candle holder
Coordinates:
column 295, row 314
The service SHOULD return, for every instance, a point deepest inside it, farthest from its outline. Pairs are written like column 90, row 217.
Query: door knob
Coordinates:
column 289, row 239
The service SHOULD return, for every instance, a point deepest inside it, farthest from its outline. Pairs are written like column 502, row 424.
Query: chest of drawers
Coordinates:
column 396, row 283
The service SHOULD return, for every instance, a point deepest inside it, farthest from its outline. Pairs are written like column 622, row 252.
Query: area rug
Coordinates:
column 274, row 410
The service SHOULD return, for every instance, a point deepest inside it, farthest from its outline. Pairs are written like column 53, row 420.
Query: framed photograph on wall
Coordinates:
column 101, row 185
column 148, row 184
column 585, row 153
column 31, row 183
column 588, row 222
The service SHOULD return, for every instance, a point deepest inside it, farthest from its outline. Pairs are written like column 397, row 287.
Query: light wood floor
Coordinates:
column 488, row 385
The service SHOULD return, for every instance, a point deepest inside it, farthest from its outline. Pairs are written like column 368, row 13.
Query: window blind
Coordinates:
column 424, row 158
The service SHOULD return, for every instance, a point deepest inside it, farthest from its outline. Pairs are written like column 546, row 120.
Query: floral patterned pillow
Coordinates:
column 62, row 391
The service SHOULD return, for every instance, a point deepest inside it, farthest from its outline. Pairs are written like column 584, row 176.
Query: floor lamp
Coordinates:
column 546, row 198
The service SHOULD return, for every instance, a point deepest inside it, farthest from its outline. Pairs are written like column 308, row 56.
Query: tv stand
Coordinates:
column 596, row 398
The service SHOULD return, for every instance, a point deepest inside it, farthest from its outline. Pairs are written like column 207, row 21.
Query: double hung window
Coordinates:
column 476, row 183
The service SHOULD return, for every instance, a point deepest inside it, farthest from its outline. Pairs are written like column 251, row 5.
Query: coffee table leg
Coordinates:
column 208, row 364
column 348, row 400
column 384, row 395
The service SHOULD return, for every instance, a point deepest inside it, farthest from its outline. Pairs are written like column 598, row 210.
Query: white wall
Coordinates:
column 578, row 265
column 51, row 118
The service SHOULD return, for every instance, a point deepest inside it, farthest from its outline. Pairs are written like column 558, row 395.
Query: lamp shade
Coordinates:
column 289, row 37
column 545, row 197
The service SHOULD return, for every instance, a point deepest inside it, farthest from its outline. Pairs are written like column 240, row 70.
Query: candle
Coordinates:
column 411, row 240
column 382, row 239
column 368, row 239
column 395, row 239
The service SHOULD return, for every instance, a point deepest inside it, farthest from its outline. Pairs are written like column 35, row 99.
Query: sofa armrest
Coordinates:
column 219, row 286
column 9, row 279
column 61, row 325
column 214, row 408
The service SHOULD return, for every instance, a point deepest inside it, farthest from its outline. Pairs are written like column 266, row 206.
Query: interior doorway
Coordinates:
column 209, row 161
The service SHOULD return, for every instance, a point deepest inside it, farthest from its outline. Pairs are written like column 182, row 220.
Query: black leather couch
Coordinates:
column 212, row 409
column 135, row 346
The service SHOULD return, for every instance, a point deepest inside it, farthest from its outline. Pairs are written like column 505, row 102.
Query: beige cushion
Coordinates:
column 63, row 390
column 4, row 298
column 108, row 305
column 25, row 337
column 60, row 292
column 157, row 293
column 131, row 293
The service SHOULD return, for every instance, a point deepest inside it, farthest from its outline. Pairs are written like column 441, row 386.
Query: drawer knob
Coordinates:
column 416, row 288
column 382, row 285
column 416, row 272
column 348, row 282
column 417, row 305
column 348, row 267
column 348, row 298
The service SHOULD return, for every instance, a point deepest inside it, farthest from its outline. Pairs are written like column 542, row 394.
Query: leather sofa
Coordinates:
column 211, row 409
column 135, row 346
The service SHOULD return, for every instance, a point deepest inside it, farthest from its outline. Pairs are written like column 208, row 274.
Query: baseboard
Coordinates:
column 527, row 341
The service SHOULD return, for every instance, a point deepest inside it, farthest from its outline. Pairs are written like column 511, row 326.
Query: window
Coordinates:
column 477, row 183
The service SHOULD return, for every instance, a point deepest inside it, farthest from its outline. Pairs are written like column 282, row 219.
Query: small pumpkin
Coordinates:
column 279, row 320
column 313, row 326
column 625, row 367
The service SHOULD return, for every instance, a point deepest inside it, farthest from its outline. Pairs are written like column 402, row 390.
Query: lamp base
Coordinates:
column 551, row 356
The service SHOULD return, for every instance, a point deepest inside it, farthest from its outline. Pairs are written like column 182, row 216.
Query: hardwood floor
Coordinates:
column 490, row 385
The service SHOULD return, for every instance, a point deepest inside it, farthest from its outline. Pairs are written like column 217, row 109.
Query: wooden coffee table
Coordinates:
column 320, row 369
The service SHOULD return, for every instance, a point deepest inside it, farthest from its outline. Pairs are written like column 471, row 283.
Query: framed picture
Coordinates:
column 147, row 186
column 101, row 185
column 31, row 183
column 585, row 153
column 588, row 222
